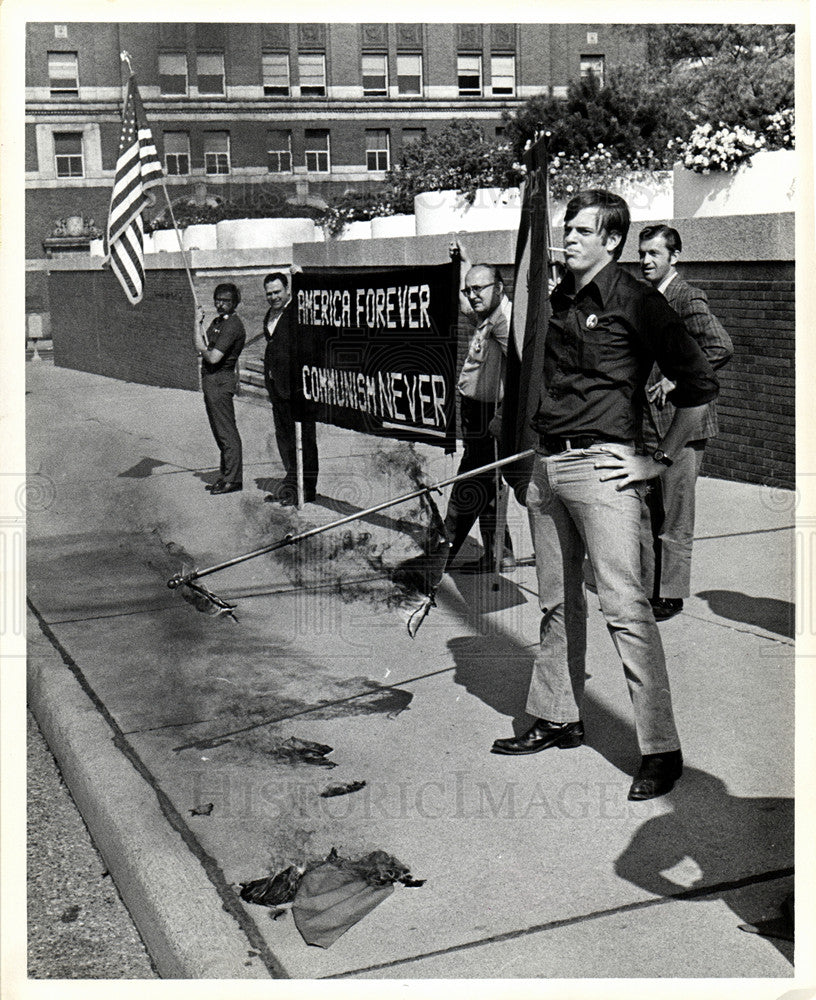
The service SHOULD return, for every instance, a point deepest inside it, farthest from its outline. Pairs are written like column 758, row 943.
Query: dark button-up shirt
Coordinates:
column 601, row 345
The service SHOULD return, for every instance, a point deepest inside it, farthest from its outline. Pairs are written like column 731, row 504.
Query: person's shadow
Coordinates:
column 743, row 848
column 767, row 613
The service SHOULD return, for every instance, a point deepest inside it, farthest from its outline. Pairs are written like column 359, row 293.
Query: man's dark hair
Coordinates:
column 613, row 213
column 277, row 276
column 670, row 237
column 227, row 288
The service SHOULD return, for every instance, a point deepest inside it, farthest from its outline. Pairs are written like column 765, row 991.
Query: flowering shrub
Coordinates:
column 780, row 129
column 723, row 148
column 360, row 206
column 599, row 168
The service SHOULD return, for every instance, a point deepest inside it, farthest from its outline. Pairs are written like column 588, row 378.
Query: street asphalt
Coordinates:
column 535, row 867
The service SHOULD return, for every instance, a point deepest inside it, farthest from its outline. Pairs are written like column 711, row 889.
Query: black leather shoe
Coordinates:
column 211, row 486
column 542, row 736
column 666, row 607
column 656, row 775
column 288, row 498
column 226, row 488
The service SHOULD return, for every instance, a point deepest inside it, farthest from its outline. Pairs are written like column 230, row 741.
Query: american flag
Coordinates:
column 137, row 169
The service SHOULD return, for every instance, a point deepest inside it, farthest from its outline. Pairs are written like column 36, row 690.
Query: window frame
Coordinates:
column 380, row 91
column 508, row 56
column 469, row 91
column 217, row 153
column 409, row 93
column 63, row 91
column 585, row 70
column 58, row 157
column 310, row 133
column 281, row 91
column 167, row 155
column 378, row 151
column 312, row 91
column 210, row 53
column 279, row 152
column 174, row 93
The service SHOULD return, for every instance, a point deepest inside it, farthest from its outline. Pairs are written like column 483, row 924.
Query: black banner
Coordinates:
column 375, row 351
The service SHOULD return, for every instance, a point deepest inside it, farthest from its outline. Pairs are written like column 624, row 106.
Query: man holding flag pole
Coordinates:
column 575, row 378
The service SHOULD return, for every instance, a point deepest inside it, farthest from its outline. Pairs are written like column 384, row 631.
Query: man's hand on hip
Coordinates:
column 627, row 467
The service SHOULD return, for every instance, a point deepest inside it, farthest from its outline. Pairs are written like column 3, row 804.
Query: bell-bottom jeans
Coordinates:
column 573, row 513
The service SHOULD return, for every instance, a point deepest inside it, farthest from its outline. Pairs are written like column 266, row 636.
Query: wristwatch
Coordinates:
column 662, row 457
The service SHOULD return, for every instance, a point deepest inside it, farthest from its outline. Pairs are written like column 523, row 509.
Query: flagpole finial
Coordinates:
column 125, row 57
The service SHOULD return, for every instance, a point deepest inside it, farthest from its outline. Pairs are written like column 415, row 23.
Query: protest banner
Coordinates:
column 376, row 350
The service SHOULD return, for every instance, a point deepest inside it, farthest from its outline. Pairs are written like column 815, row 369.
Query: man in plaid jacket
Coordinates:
column 670, row 503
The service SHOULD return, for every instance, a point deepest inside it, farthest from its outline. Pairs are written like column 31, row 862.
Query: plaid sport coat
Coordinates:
column 691, row 305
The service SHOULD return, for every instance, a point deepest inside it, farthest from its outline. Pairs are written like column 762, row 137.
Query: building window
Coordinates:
column 216, row 153
column 469, row 73
column 375, row 75
column 279, row 151
column 176, row 153
column 275, row 66
column 409, row 74
column 412, row 135
column 210, row 72
column 503, row 75
column 318, row 157
column 60, row 31
column 378, row 147
column 63, row 75
column 172, row 73
column 68, row 157
column 312, row 72
column 593, row 66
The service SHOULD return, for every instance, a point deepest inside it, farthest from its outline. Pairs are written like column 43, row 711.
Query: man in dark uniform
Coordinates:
column 278, row 331
column 606, row 331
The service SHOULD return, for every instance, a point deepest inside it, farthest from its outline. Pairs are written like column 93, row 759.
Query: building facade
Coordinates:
column 304, row 110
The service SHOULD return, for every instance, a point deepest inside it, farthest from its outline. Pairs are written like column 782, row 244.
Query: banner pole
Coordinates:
column 301, row 493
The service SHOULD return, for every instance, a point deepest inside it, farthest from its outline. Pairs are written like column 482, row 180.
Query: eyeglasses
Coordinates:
column 477, row 289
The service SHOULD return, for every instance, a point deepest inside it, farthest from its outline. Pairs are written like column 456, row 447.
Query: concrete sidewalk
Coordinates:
column 536, row 867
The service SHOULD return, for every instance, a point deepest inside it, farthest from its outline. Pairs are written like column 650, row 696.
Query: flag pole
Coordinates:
column 181, row 579
column 125, row 57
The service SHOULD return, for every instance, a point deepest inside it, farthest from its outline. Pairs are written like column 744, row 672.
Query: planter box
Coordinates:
column 357, row 230
column 241, row 234
column 165, row 240
column 199, row 237
column 767, row 184
column 393, row 225
column 448, row 211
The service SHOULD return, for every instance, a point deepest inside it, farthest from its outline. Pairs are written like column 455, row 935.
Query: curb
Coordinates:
column 192, row 923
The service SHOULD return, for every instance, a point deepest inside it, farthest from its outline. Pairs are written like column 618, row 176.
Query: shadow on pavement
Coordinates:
column 767, row 613
column 724, row 838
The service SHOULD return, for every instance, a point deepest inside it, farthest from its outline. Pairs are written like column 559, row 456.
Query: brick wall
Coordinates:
column 754, row 300
column 95, row 329
column 755, row 303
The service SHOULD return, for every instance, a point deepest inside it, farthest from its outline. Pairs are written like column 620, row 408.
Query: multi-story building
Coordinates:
column 305, row 109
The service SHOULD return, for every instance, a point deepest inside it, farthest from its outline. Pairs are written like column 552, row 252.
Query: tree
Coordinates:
column 457, row 157
column 739, row 74
column 634, row 116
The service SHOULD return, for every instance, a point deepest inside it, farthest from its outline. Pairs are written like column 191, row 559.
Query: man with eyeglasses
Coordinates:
column 480, row 387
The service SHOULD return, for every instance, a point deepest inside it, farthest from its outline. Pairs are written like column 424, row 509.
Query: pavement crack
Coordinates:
column 698, row 892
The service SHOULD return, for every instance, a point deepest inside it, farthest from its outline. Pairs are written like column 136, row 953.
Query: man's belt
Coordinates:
column 555, row 445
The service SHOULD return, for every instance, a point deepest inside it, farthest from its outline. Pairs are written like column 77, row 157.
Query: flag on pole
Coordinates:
column 530, row 316
column 137, row 170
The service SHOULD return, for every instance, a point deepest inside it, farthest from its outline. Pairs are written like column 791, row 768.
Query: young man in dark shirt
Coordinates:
column 606, row 331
